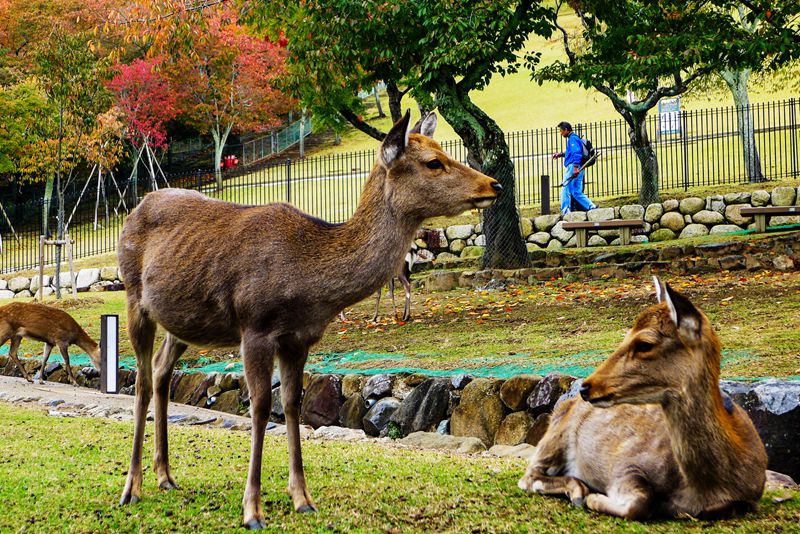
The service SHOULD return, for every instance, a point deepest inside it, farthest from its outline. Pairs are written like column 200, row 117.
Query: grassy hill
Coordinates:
column 517, row 103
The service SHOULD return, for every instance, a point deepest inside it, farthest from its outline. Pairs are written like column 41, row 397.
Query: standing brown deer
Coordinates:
column 656, row 436
column 53, row 327
column 270, row 278
column 404, row 277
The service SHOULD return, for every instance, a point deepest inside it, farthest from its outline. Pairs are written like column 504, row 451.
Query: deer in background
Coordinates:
column 53, row 327
column 270, row 279
column 652, row 435
column 404, row 276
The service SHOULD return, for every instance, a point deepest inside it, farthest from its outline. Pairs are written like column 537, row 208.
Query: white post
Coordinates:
column 109, row 353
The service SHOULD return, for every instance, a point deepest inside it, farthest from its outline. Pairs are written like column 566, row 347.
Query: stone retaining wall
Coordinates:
column 671, row 219
column 103, row 279
column 497, row 412
column 777, row 252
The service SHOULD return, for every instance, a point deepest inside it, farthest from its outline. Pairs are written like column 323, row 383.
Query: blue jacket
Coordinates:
column 574, row 151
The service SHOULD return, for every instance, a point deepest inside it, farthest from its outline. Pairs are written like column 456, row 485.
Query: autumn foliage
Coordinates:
column 146, row 100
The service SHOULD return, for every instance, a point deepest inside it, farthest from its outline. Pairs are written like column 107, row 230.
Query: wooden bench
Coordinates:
column 624, row 226
column 761, row 214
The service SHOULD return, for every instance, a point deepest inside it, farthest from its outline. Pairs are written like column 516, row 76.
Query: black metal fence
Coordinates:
column 694, row 148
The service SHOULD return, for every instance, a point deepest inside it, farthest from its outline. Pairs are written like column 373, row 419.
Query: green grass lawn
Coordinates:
column 64, row 474
column 561, row 325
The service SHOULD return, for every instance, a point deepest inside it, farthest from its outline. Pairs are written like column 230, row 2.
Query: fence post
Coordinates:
column 288, row 180
column 199, row 179
column 793, row 119
column 685, row 147
column 41, row 268
column 545, row 194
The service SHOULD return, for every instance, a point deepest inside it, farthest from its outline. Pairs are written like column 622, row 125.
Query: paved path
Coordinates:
column 65, row 400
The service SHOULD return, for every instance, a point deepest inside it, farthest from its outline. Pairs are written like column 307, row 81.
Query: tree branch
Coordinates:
column 360, row 125
column 189, row 6
column 567, row 49
column 473, row 76
column 758, row 10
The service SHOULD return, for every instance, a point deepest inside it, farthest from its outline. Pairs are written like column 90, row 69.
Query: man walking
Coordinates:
column 572, row 186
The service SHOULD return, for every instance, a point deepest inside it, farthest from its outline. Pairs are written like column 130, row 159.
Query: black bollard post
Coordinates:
column 545, row 194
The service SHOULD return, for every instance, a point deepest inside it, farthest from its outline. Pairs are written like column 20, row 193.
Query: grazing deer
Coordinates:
column 656, row 437
column 53, row 327
column 270, row 278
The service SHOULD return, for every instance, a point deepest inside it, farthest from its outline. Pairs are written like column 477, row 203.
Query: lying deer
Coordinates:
column 270, row 278
column 652, row 435
column 54, row 327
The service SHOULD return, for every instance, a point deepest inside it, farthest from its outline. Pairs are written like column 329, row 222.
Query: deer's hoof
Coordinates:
column 307, row 508
column 129, row 499
column 255, row 524
column 168, row 485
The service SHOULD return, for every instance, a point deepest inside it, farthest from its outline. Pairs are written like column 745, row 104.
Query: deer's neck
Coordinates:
column 371, row 246
column 703, row 434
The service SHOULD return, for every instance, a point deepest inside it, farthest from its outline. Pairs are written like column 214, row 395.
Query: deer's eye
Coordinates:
column 642, row 347
column 434, row 164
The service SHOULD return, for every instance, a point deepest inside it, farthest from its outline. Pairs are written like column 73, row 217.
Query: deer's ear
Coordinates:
column 426, row 125
column 396, row 140
column 686, row 317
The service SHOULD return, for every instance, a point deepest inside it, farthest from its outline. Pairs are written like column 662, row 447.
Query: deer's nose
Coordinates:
column 497, row 187
column 585, row 388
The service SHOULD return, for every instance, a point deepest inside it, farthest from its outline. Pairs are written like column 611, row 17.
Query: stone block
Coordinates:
column 653, row 213
column 691, row 205
column 459, row 231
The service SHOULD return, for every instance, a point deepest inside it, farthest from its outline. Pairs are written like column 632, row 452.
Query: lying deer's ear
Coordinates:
column 396, row 141
column 686, row 317
column 659, row 285
column 426, row 125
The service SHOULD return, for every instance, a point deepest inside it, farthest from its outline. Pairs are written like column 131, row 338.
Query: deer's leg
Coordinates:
column 64, row 349
column 630, row 498
column 391, row 294
column 141, row 331
column 48, row 348
column 547, row 462
column 164, row 363
column 293, row 356
column 407, row 288
column 377, row 304
column 574, row 489
column 12, row 353
column 258, row 353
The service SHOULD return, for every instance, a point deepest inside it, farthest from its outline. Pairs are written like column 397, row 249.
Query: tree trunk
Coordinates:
column 737, row 83
column 395, row 99
column 488, row 151
column 640, row 142
column 47, row 201
column 220, row 137
column 381, row 114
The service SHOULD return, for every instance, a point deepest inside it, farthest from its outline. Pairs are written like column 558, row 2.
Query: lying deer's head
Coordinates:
column 670, row 346
column 422, row 179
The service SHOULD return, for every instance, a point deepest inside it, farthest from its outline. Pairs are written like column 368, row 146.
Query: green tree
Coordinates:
column 72, row 77
column 441, row 51
column 22, row 106
column 651, row 49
